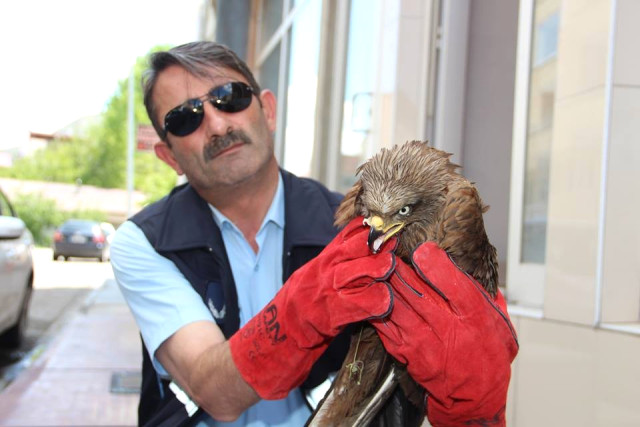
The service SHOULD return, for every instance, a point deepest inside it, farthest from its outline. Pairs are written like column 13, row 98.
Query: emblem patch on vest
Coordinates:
column 215, row 301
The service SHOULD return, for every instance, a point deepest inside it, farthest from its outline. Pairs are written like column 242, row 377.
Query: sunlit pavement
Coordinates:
column 77, row 273
column 67, row 381
column 59, row 288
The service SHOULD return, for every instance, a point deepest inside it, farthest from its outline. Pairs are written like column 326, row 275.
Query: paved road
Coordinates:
column 59, row 288
column 87, row 373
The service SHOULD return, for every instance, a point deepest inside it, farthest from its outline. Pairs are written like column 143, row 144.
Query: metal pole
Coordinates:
column 130, row 142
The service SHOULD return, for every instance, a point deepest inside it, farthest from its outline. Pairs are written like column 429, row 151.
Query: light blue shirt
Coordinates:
column 258, row 276
column 162, row 300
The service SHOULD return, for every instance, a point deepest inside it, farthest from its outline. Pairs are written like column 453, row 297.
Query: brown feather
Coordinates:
column 349, row 207
column 363, row 367
column 445, row 208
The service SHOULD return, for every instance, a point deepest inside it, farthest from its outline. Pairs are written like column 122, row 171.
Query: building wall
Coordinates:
column 592, row 238
column 232, row 29
column 621, row 247
column 578, row 311
column 573, row 375
column 579, row 135
column 578, row 357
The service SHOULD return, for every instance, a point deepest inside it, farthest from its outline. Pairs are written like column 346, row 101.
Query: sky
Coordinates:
column 61, row 60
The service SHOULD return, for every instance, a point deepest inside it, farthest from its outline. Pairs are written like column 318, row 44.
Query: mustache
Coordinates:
column 219, row 143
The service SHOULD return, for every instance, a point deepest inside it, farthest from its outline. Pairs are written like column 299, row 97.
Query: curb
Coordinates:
column 39, row 353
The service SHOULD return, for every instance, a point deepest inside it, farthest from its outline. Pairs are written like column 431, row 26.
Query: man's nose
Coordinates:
column 215, row 120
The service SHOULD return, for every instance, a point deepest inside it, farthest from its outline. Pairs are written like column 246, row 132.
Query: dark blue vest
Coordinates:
column 181, row 228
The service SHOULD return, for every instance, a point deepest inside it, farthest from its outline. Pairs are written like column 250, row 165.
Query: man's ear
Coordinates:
column 164, row 153
column 269, row 108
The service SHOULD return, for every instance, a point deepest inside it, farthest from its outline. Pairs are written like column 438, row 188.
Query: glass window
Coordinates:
column 291, row 42
column 546, row 42
column 542, row 88
column 270, row 19
column 535, row 98
column 369, row 84
column 300, row 107
column 268, row 71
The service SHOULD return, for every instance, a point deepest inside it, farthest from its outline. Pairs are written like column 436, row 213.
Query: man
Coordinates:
column 198, row 264
column 202, row 269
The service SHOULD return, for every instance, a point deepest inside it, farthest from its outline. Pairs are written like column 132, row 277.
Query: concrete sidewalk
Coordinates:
column 69, row 380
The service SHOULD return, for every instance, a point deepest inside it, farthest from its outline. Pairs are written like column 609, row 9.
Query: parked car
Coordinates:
column 83, row 239
column 16, row 274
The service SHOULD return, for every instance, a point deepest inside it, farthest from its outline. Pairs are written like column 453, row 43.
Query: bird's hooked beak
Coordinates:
column 380, row 232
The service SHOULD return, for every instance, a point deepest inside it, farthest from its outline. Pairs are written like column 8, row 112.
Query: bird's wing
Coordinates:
column 352, row 392
column 461, row 233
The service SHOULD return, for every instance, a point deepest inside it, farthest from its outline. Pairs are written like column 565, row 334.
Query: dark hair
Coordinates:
column 196, row 58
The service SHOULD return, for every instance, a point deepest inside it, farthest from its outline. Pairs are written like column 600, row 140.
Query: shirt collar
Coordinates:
column 275, row 213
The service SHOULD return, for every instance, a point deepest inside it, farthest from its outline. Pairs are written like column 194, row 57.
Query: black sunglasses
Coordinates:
column 186, row 118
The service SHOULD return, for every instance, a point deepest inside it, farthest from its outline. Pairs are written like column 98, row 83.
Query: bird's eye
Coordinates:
column 406, row 210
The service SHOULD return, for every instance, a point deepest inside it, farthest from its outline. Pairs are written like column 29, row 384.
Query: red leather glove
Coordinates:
column 456, row 340
column 276, row 349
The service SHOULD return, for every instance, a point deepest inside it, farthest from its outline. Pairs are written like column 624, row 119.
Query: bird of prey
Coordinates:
column 413, row 192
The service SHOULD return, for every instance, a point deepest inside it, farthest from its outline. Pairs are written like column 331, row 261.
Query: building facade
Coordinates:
column 539, row 102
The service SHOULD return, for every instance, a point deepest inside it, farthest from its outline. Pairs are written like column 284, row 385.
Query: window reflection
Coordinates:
column 295, row 44
column 302, row 85
column 269, row 71
column 270, row 19
column 542, row 95
column 369, row 84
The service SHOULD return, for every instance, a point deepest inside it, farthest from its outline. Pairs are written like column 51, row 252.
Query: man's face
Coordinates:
column 227, row 148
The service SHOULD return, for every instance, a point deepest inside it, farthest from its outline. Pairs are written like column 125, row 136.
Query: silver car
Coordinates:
column 16, row 274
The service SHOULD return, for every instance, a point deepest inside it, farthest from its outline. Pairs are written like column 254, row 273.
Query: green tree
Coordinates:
column 42, row 215
column 152, row 176
column 62, row 161
column 108, row 163
column 100, row 157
